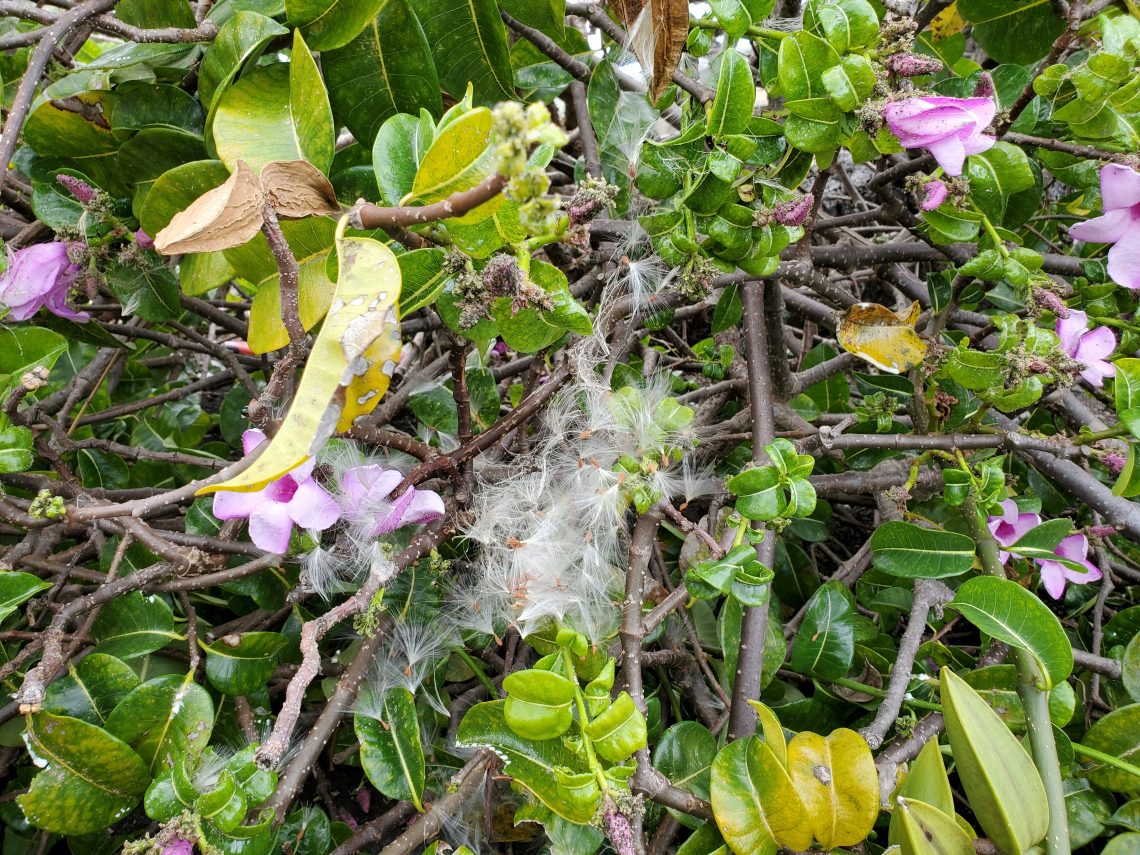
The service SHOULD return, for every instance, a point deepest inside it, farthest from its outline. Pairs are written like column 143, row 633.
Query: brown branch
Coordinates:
column 456, row 205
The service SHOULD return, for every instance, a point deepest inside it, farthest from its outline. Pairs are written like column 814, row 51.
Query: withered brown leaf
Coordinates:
column 227, row 216
column 658, row 30
column 298, row 189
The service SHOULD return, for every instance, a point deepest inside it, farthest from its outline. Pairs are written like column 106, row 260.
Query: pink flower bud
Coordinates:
column 1101, row 530
column 1048, row 300
column 912, row 64
column 144, row 240
column 984, row 88
column 1115, row 463
column 794, row 213
column 81, row 190
column 619, row 831
column 934, row 194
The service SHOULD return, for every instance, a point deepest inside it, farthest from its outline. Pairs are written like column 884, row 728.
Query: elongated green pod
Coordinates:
column 1000, row 780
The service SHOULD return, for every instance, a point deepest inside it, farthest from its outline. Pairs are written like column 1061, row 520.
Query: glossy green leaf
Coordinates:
column 533, row 764
column 825, row 643
column 424, row 277
column 238, row 44
column 387, row 69
column 539, row 703
column 243, row 665
column 907, row 550
column 276, row 112
column 1017, row 31
column 163, row 718
column 1000, row 780
column 391, row 751
column 1116, row 734
column 469, row 43
column 619, row 730
column 996, row 176
column 176, row 189
column 92, row 688
column 17, row 588
column 401, row 144
column 88, row 780
column 330, row 24
column 926, row 830
column 755, row 803
column 731, row 109
column 684, row 755
column 23, row 348
column 133, row 625
column 1008, row 612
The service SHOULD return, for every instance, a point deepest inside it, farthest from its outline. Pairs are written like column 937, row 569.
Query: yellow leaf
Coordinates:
column 947, row 23
column 881, row 337
column 926, row 830
column 838, row 784
column 361, row 322
column 773, row 731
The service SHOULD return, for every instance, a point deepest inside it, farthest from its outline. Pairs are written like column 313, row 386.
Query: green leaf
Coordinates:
column 469, row 43
column 238, row 44
column 755, row 803
column 460, row 157
column 850, row 82
column 684, row 754
column 1017, row 31
column 539, row 703
column 733, row 17
column 926, row 830
column 176, row 189
column 907, row 550
column 1003, row 609
column 533, row 765
column 243, row 665
column 88, row 781
column 92, row 688
column 619, row 731
column 133, row 625
column 621, row 120
column 803, row 59
column 23, row 348
column 1116, row 734
column 1000, row 780
column 1126, row 387
column 825, row 643
column 1041, row 541
column 163, row 719
column 996, row 176
column 150, row 293
column 846, row 24
column 400, row 145
column 387, row 69
column 276, row 112
column 424, row 278
column 731, row 109
column 390, row 748
column 331, row 24
column 16, row 588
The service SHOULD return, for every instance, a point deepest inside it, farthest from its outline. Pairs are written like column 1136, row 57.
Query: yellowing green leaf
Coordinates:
column 755, row 803
column 459, row 158
column 838, row 784
column 925, row 830
column 772, row 731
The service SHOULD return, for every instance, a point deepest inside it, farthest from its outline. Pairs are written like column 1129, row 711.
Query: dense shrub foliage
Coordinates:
column 548, row 427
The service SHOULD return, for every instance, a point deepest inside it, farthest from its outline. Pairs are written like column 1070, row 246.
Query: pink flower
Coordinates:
column 1054, row 574
column 293, row 499
column 1088, row 347
column 795, row 212
column 1118, row 225
column 83, row 192
column 364, row 495
column 144, row 240
column 934, row 194
column 1011, row 526
column 37, row 276
column 179, row 847
column 912, row 64
column 949, row 128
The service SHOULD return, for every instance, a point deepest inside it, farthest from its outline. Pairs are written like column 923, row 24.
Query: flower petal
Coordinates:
column 1095, row 372
column 1105, row 229
column 251, row 439
column 1070, row 330
column 1096, row 344
column 270, row 527
column 1053, row 578
column 950, row 154
column 232, row 505
column 1075, row 547
column 312, row 507
column 1119, row 187
column 426, row 506
column 1124, row 258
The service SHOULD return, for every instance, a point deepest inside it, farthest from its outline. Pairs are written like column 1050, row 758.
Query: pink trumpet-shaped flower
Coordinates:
column 37, row 276
column 949, row 128
column 364, row 494
column 1010, row 526
column 1118, row 225
column 293, row 499
column 1088, row 347
column 1055, row 575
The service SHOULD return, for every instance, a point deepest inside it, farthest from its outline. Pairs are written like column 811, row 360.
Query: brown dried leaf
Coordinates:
column 657, row 33
column 298, row 189
column 227, row 216
column 627, row 11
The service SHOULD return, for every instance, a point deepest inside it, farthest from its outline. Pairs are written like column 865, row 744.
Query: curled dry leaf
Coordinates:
column 227, row 216
column 658, row 29
column 886, row 339
column 298, row 189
